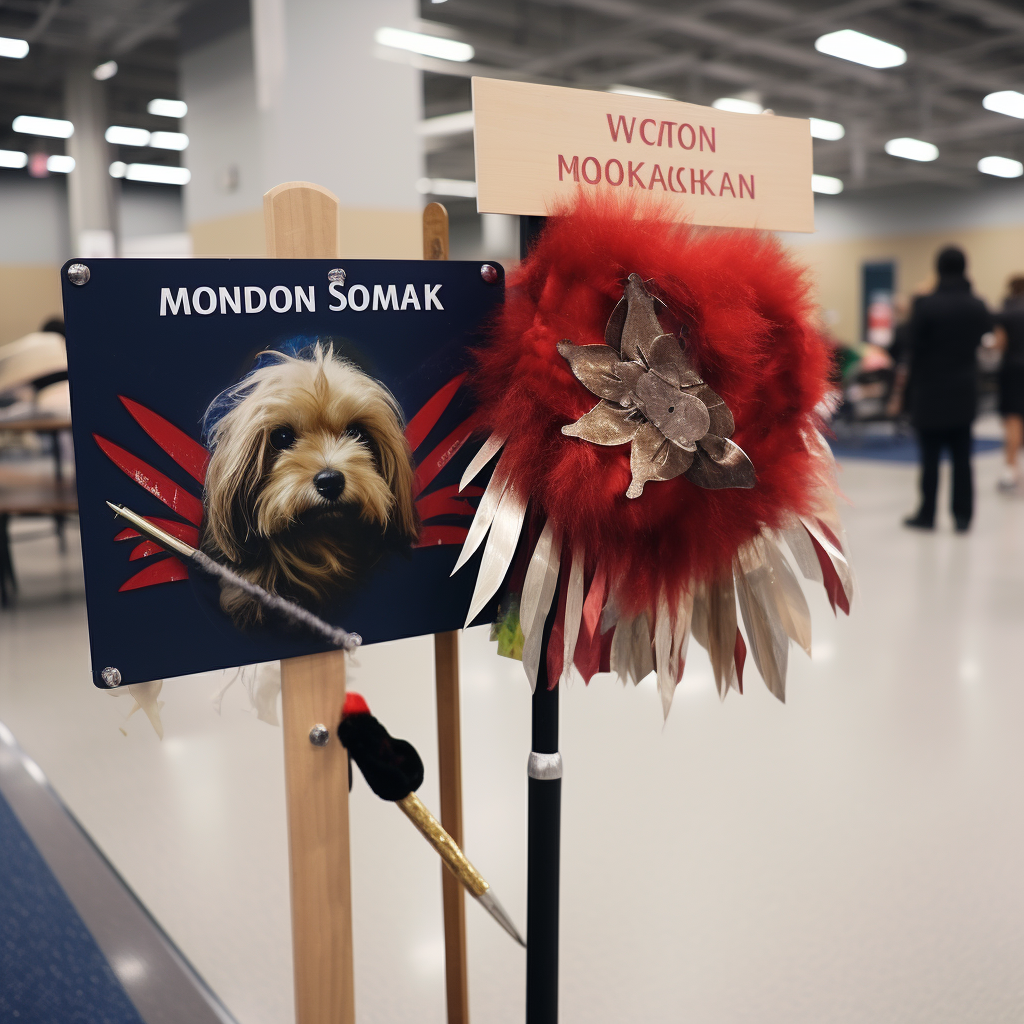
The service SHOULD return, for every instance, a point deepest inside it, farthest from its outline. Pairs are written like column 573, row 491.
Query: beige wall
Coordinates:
column 365, row 234
column 993, row 254
column 29, row 296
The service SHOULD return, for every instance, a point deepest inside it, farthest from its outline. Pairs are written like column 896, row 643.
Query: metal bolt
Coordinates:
column 337, row 274
column 111, row 677
column 79, row 273
column 489, row 273
column 319, row 735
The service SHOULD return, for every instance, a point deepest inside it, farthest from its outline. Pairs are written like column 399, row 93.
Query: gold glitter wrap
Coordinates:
column 453, row 857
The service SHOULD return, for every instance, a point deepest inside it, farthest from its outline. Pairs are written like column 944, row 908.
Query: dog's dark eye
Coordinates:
column 358, row 432
column 282, row 437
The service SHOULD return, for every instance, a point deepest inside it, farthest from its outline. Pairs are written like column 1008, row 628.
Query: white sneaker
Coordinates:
column 1009, row 481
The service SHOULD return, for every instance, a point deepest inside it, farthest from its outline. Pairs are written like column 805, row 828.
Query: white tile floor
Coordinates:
column 854, row 856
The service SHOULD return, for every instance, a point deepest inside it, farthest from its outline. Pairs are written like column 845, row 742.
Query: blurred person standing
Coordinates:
column 1010, row 340
column 946, row 328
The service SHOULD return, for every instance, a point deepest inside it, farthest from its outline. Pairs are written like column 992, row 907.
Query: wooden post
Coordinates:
column 301, row 221
column 449, row 738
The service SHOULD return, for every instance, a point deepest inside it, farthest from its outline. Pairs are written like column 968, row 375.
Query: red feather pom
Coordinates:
column 750, row 329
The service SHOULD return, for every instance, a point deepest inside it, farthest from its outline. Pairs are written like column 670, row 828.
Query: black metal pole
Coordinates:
column 545, row 814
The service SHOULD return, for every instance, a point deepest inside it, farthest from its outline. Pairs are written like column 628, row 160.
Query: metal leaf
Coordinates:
column 488, row 450
column 680, row 416
column 573, row 611
column 641, row 326
column 722, row 632
column 613, row 329
column 606, row 424
column 768, row 641
column 667, row 358
column 653, row 457
column 599, row 370
column 719, row 463
column 538, row 592
column 484, row 513
column 500, row 549
column 722, row 422
column 789, row 597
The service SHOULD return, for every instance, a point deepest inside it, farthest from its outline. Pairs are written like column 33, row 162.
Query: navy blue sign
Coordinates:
column 303, row 422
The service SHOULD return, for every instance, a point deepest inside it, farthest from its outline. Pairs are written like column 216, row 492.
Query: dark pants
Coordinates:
column 958, row 441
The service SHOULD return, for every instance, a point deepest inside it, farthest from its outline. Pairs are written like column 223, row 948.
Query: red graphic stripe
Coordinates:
column 186, row 452
column 441, row 455
column 436, row 536
column 423, row 422
column 183, row 531
column 144, row 550
column 171, row 494
column 170, row 570
column 444, row 502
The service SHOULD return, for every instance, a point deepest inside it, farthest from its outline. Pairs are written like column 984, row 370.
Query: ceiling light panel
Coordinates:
column 1001, row 166
column 829, row 130
column 855, row 46
column 912, row 149
column 420, row 42
column 118, row 135
column 1008, row 101
column 13, row 158
column 104, row 71
column 58, row 164
column 737, row 106
column 167, row 108
column 826, row 185
column 157, row 174
column 169, row 140
column 49, row 127
column 13, row 48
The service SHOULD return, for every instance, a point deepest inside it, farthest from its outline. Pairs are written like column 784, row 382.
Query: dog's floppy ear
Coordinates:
column 396, row 467
column 232, row 482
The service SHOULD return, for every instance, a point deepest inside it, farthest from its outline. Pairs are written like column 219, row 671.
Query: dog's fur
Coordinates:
column 263, row 513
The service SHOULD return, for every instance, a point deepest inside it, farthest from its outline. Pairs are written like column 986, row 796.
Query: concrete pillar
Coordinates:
column 91, row 205
column 299, row 94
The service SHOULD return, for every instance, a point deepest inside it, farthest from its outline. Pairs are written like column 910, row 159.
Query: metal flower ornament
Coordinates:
column 652, row 398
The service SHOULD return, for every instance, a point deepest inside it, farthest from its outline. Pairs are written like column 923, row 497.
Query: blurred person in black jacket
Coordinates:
column 1010, row 339
column 946, row 328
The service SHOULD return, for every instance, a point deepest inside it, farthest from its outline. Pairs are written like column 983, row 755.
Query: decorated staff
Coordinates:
column 393, row 770
column 654, row 391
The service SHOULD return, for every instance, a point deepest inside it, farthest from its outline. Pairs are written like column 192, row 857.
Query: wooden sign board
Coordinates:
column 538, row 145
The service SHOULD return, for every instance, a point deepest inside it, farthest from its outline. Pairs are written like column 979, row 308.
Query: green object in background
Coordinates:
column 506, row 631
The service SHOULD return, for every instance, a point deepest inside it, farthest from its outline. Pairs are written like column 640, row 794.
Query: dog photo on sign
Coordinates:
column 310, row 482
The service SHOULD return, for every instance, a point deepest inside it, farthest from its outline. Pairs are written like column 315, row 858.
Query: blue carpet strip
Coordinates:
column 51, row 970
column 894, row 449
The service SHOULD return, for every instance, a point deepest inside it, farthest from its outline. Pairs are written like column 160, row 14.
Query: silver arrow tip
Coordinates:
column 489, row 901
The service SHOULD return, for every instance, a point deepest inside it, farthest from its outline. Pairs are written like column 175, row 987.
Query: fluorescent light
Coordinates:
column 51, row 127
column 446, row 124
column 169, row 140
column 632, row 90
column 1001, row 166
column 861, row 49
column 831, row 130
column 168, row 108
column 13, row 158
column 104, row 71
column 420, row 42
column 158, row 174
column 1009, row 102
column 446, row 187
column 58, row 164
column 912, row 149
column 825, row 185
column 118, row 135
column 13, row 48
column 737, row 106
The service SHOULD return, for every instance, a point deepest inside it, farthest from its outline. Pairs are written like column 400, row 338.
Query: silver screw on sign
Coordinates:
column 79, row 273
column 489, row 273
column 111, row 677
column 319, row 735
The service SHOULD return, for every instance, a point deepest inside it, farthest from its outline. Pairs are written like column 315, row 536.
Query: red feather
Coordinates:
column 169, row 570
column 750, row 333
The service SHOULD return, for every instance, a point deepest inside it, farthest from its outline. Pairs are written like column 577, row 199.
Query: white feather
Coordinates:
column 490, row 448
column 789, row 598
column 538, row 591
column 500, row 549
column 663, row 654
column 484, row 513
column 573, row 612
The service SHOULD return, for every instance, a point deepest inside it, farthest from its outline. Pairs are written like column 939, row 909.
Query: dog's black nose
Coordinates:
column 329, row 484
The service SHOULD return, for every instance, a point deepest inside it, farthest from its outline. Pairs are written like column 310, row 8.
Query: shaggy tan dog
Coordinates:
column 310, row 481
